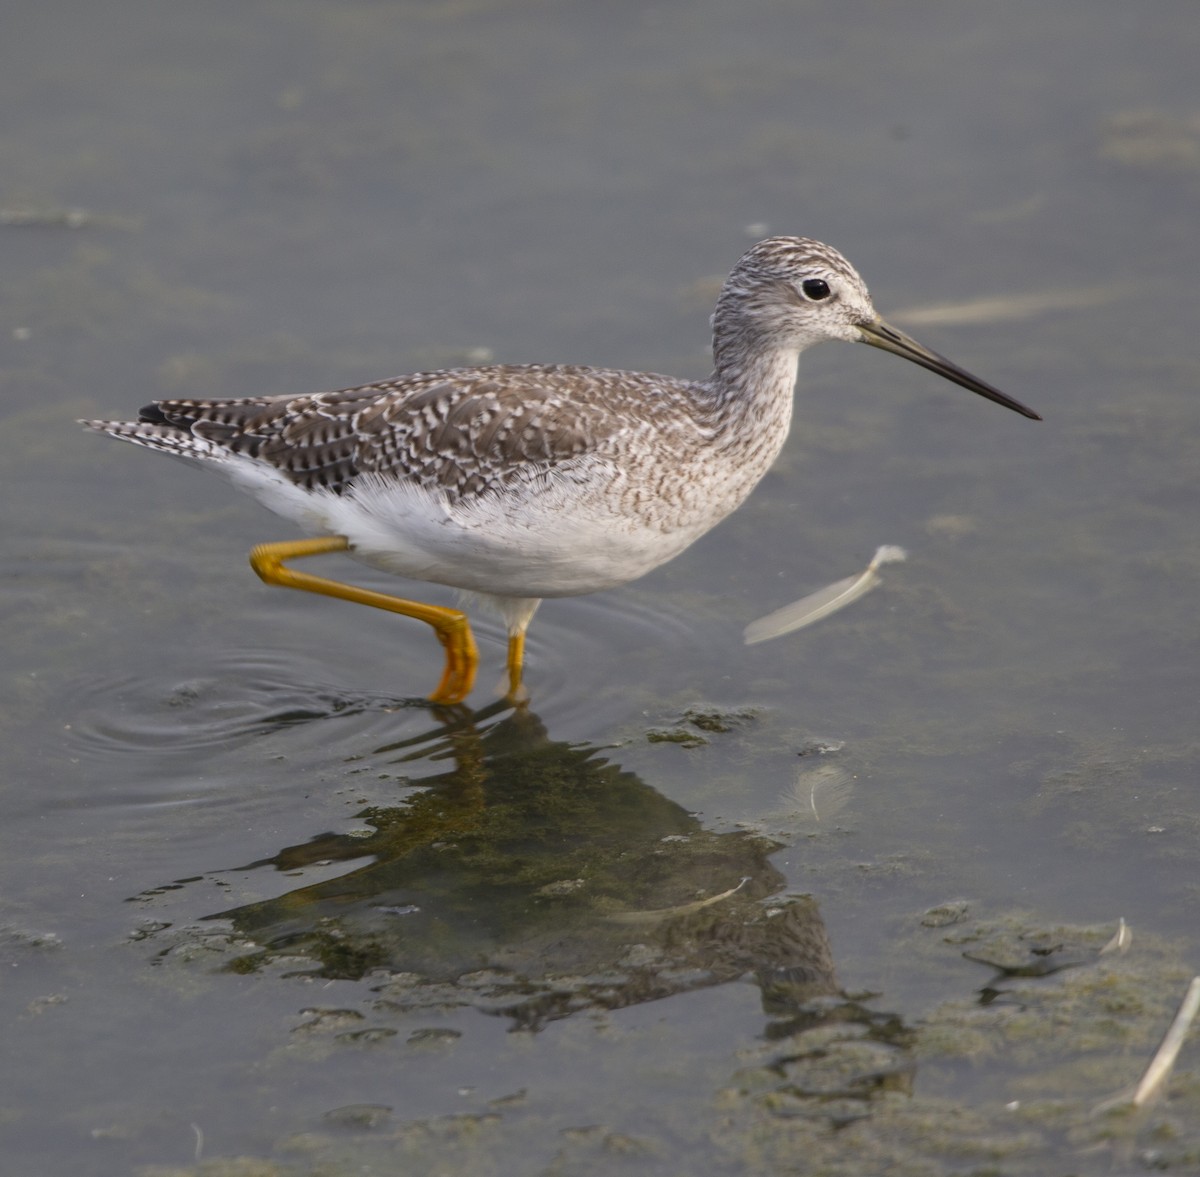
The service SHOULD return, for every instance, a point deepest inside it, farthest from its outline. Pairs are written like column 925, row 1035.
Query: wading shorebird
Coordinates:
column 516, row 482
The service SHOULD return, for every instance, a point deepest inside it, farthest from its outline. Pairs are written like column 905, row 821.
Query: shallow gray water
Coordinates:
column 246, row 883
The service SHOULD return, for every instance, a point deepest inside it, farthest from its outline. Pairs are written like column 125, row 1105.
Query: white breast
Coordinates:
column 556, row 536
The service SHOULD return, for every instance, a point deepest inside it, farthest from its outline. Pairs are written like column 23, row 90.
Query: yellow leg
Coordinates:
column 451, row 625
column 516, row 662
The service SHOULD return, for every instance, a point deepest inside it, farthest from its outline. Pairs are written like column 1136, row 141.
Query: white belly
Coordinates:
column 555, row 538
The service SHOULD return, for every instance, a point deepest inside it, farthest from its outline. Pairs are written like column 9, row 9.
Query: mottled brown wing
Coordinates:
column 462, row 431
column 465, row 441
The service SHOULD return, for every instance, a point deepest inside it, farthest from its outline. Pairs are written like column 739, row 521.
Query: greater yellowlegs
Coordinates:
column 519, row 482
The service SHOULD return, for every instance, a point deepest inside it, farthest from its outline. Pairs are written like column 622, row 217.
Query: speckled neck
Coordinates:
column 753, row 382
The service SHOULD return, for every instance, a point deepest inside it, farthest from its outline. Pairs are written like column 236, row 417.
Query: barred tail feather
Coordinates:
column 165, row 438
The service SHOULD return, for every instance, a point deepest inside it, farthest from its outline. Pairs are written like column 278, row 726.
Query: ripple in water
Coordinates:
column 589, row 658
column 580, row 658
column 237, row 696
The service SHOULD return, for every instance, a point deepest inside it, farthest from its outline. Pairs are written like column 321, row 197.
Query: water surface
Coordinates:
column 258, row 902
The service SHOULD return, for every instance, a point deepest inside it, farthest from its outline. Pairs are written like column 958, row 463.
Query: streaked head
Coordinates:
column 795, row 292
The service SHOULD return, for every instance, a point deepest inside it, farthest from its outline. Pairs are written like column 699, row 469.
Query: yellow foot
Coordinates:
column 516, row 665
column 462, row 658
column 451, row 625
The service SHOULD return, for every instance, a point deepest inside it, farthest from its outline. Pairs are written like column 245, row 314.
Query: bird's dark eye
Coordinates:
column 815, row 288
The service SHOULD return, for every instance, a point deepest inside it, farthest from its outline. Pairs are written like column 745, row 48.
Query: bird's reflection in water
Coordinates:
column 533, row 879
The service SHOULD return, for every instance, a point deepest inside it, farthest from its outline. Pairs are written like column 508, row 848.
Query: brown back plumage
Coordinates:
column 462, row 431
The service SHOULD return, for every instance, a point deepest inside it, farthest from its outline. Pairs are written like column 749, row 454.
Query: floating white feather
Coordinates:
column 824, row 601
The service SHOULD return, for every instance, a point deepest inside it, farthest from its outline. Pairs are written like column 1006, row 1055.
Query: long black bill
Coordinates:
column 879, row 334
